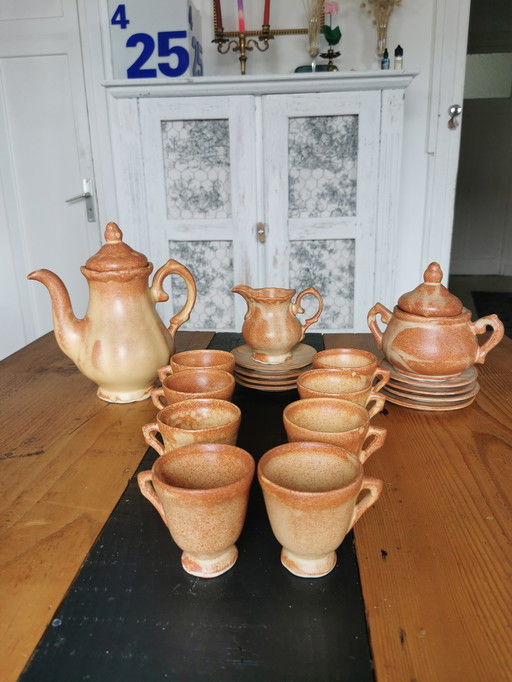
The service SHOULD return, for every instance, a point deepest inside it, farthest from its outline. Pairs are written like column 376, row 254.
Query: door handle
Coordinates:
column 87, row 195
column 454, row 111
column 260, row 231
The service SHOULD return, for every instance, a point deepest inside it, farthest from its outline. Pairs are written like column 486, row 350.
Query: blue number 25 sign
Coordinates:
column 152, row 55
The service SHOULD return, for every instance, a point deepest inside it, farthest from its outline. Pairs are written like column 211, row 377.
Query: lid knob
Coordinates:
column 113, row 234
column 431, row 299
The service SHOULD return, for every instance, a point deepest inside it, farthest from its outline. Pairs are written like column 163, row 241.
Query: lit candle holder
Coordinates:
column 241, row 20
column 266, row 13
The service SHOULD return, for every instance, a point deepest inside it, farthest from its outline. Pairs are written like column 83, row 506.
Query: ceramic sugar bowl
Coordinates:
column 430, row 333
column 121, row 341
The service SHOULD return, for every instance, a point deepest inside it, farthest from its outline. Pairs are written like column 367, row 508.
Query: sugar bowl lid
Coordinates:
column 115, row 255
column 431, row 299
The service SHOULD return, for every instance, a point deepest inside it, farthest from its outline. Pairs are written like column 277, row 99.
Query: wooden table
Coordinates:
column 434, row 555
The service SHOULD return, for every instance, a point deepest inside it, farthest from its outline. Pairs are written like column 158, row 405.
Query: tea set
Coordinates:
column 311, row 485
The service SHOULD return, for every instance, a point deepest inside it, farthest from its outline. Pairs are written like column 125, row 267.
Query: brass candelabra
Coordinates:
column 241, row 43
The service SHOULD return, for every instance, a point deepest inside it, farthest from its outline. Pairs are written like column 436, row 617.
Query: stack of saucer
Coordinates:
column 265, row 377
column 422, row 393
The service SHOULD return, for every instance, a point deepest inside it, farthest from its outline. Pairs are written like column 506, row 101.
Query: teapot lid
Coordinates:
column 115, row 254
column 431, row 299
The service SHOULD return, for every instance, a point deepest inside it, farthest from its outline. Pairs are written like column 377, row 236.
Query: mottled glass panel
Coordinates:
column 322, row 166
column 197, row 170
column 327, row 265
column 211, row 263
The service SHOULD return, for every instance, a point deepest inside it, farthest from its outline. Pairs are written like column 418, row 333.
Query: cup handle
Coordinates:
column 378, row 309
column 378, row 400
column 379, row 436
column 479, row 327
column 374, row 487
column 148, row 431
column 145, row 481
column 385, row 375
column 297, row 308
column 172, row 267
column 156, row 397
column 164, row 372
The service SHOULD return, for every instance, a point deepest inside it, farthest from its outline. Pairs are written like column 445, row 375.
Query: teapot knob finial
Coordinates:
column 113, row 234
column 433, row 274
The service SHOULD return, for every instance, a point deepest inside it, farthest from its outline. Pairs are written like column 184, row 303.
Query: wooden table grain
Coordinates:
column 434, row 553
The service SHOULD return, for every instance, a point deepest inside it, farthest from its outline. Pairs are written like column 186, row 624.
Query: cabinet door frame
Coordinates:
column 278, row 110
column 240, row 227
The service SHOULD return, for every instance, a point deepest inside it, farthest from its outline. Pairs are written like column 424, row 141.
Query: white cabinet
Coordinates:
column 309, row 163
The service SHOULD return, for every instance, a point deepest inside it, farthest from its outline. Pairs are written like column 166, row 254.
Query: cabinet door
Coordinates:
column 321, row 157
column 199, row 171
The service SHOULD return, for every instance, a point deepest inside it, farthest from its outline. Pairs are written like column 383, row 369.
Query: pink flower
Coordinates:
column 331, row 8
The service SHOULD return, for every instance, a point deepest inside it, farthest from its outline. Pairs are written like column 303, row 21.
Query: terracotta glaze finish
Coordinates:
column 311, row 492
column 335, row 421
column 430, row 334
column 121, row 341
column 352, row 362
column 199, row 420
column 336, row 383
column 194, row 383
column 201, row 493
column 270, row 326
column 200, row 358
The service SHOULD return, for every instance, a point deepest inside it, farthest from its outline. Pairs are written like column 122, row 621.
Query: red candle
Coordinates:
column 218, row 15
column 241, row 20
column 266, row 13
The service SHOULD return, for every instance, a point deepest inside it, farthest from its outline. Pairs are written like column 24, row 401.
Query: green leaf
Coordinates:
column 332, row 35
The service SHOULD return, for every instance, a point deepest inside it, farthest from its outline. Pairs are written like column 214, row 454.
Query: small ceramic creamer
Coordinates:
column 121, row 342
column 430, row 333
column 270, row 326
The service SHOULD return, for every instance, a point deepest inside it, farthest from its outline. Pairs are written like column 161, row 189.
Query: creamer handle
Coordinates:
column 145, row 481
column 496, row 336
column 374, row 487
column 378, row 309
column 172, row 267
column 297, row 309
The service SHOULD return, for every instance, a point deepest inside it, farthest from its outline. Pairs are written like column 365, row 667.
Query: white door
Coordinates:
column 46, row 155
column 321, row 159
column 200, row 183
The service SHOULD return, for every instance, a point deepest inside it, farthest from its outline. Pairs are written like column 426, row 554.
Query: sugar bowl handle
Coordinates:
column 479, row 327
column 297, row 308
column 386, row 315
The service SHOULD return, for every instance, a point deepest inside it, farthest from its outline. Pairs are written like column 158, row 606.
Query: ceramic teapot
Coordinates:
column 121, row 341
column 270, row 325
column 430, row 333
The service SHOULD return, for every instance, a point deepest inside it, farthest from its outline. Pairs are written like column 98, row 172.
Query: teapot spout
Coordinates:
column 68, row 329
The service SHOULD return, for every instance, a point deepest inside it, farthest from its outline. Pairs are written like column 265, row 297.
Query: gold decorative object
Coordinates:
column 314, row 16
column 381, row 11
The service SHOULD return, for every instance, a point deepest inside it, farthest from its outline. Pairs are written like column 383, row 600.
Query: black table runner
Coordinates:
column 133, row 613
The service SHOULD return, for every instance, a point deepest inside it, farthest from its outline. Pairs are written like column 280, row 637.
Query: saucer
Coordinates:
column 302, row 354
column 463, row 379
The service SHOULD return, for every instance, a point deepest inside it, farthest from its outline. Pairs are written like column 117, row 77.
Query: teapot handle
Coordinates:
column 479, row 327
column 172, row 267
column 378, row 309
column 297, row 309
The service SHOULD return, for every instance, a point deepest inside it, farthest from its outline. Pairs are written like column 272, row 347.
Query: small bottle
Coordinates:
column 384, row 62
column 399, row 58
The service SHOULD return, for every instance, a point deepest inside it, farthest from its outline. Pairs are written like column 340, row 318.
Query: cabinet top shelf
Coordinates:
column 338, row 81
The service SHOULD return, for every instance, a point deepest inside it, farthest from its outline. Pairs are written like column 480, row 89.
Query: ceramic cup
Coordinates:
column 336, row 383
column 205, row 358
column 354, row 362
column 311, row 492
column 199, row 420
column 194, row 383
column 335, row 421
column 201, row 492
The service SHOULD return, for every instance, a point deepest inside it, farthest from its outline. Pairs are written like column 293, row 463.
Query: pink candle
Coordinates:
column 241, row 20
column 266, row 13
column 218, row 15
